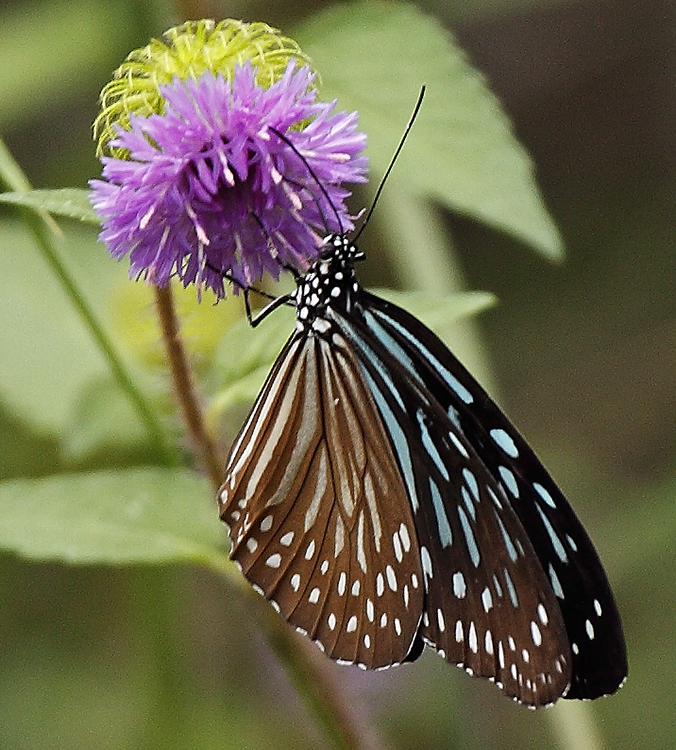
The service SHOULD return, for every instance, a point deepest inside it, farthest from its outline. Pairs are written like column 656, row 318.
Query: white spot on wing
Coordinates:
column 426, row 561
column 405, row 538
column 274, row 561
column 473, row 642
column 504, row 441
column 361, row 552
column 471, row 482
column 509, row 479
column 287, row 539
column 556, row 584
column 443, row 525
column 458, row 445
column 396, row 545
column 544, row 494
column 266, row 523
column 459, row 585
column 380, row 584
column 553, row 536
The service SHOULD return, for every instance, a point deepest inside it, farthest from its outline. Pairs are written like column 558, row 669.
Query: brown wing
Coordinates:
column 319, row 518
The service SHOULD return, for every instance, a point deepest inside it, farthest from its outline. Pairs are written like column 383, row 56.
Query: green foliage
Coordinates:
column 72, row 203
column 104, row 649
column 115, row 517
column 47, row 354
column 374, row 56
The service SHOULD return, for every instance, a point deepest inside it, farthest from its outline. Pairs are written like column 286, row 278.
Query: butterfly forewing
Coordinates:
column 574, row 571
column 306, row 514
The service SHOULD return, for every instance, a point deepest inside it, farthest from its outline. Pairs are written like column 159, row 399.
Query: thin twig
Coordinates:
column 309, row 671
column 184, row 386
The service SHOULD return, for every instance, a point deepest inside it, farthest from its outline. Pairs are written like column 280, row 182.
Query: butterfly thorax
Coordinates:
column 329, row 284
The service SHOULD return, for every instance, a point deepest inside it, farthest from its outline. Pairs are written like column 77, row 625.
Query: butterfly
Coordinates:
column 382, row 502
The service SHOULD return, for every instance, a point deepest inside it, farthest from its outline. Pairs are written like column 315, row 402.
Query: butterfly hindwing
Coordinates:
column 485, row 591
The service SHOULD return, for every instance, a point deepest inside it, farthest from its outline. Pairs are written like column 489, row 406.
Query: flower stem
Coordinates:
column 308, row 669
column 184, row 386
column 48, row 236
column 310, row 673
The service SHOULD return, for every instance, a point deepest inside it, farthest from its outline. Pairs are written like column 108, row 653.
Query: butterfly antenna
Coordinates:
column 412, row 119
column 283, row 137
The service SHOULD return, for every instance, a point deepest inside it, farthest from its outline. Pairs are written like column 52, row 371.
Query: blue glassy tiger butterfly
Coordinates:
column 381, row 501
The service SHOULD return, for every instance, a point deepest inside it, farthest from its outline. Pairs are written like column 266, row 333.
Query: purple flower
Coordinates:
column 209, row 188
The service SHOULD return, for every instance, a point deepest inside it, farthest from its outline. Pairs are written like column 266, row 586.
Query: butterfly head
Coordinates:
column 339, row 250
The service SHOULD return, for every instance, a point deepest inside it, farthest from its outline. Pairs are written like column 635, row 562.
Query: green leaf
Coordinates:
column 72, row 203
column 436, row 311
column 123, row 517
column 46, row 353
column 243, row 359
column 241, row 350
column 103, row 423
column 374, row 56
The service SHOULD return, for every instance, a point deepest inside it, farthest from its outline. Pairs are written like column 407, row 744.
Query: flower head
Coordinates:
column 210, row 187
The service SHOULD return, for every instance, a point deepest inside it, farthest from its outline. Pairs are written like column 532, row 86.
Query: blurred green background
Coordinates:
column 583, row 356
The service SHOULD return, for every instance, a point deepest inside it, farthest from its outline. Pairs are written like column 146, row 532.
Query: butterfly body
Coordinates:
column 381, row 501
